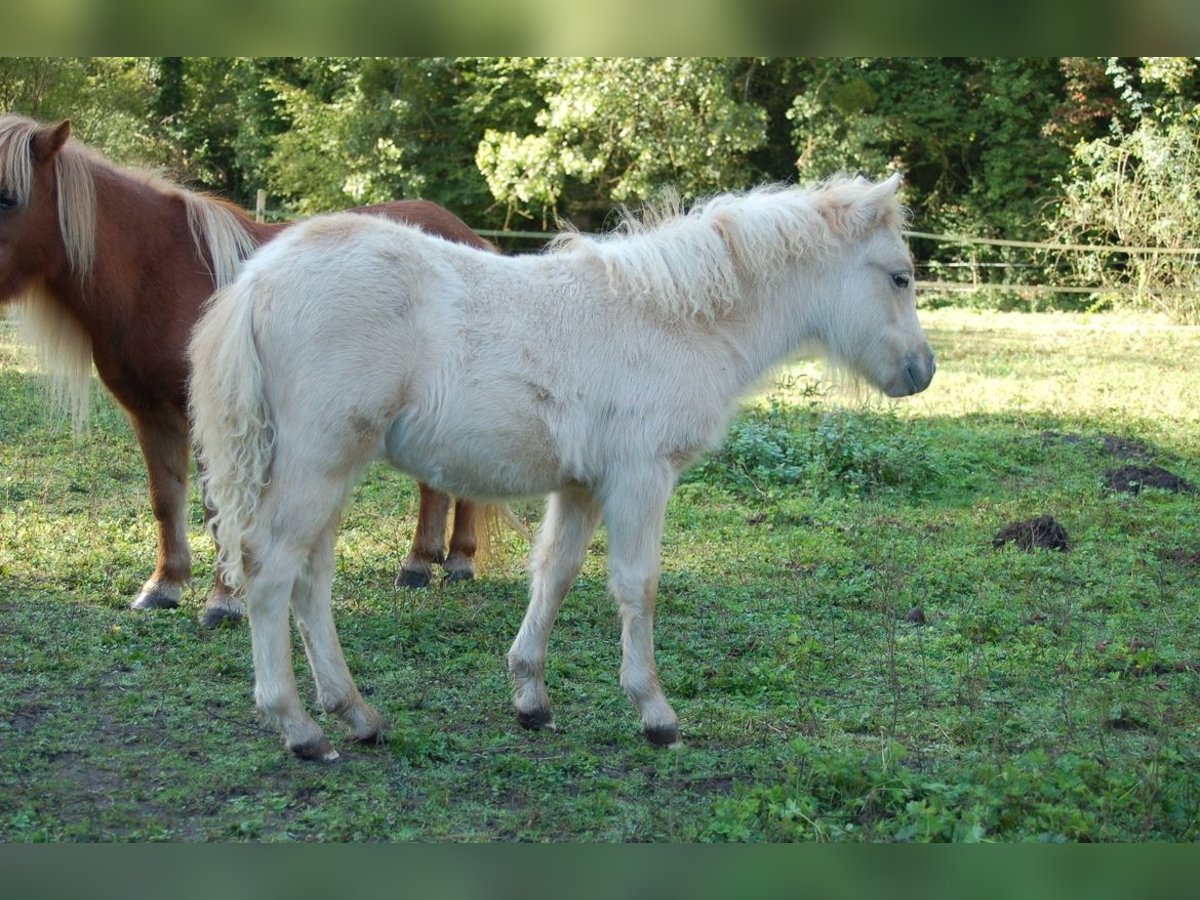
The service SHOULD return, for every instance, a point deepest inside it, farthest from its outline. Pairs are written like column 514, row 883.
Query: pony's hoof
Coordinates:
column 664, row 736
column 460, row 575
column 378, row 737
column 154, row 599
column 536, row 720
column 412, row 579
column 319, row 750
column 216, row 616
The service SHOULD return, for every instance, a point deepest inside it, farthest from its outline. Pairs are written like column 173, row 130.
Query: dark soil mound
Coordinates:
column 1131, row 479
column 1126, row 447
column 1042, row 532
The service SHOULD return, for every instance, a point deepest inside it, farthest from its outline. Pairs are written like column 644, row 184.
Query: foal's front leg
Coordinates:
column 635, row 516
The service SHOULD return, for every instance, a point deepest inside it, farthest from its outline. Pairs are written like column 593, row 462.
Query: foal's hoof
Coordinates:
column 664, row 736
column 154, row 599
column 536, row 720
column 319, row 750
column 412, row 578
column 460, row 575
column 216, row 616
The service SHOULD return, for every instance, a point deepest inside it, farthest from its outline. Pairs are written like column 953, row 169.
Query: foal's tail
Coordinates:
column 232, row 423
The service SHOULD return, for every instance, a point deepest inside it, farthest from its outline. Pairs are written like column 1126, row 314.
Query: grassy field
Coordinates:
column 851, row 656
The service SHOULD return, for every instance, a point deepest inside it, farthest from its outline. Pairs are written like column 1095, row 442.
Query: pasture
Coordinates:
column 850, row 655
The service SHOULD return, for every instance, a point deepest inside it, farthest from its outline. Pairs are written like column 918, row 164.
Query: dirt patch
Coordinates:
column 1040, row 533
column 1127, row 448
column 1131, row 480
column 1181, row 556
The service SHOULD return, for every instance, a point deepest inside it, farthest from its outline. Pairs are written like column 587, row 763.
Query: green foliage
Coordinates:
column 821, row 451
column 1028, row 797
column 989, row 147
column 617, row 129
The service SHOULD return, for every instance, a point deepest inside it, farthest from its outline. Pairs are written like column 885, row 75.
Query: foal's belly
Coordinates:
column 480, row 460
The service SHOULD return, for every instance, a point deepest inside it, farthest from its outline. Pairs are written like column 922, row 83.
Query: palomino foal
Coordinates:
column 594, row 373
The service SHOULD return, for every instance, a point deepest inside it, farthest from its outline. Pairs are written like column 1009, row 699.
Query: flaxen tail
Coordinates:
column 232, row 423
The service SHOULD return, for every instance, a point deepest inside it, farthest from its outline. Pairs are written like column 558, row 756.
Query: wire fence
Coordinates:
column 978, row 281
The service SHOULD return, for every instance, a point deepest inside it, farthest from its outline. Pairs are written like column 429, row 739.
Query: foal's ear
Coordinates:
column 854, row 207
column 889, row 185
column 48, row 140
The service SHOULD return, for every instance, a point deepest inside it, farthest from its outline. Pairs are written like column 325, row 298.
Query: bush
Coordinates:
column 1139, row 188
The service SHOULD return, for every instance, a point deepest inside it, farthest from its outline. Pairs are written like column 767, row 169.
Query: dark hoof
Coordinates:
column 315, row 751
column 154, row 600
column 536, row 720
column 460, row 575
column 410, row 578
column 663, row 736
column 379, row 737
column 216, row 616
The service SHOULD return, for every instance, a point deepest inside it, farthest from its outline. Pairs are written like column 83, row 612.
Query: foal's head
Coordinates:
column 46, row 203
column 870, row 315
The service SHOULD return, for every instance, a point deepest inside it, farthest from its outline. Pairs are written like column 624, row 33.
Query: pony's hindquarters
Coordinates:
column 278, row 485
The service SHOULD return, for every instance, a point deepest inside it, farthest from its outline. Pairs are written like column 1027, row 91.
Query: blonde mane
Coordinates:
column 696, row 263
column 64, row 348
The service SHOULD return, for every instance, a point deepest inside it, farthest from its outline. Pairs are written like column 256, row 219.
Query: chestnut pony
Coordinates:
column 113, row 266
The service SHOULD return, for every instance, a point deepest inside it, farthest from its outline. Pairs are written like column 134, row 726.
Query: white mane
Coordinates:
column 693, row 264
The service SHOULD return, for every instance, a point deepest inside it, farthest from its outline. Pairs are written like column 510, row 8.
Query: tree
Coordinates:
column 618, row 130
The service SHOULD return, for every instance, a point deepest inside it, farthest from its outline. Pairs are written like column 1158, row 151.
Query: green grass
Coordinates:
column 1045, row 696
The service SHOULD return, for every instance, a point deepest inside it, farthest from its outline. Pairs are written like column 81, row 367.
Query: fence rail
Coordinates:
column 975, row 285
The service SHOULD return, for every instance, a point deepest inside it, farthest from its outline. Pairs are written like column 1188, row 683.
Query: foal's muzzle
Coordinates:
column 915, row 375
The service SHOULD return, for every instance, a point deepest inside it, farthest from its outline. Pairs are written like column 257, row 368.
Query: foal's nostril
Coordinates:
column 919, row 372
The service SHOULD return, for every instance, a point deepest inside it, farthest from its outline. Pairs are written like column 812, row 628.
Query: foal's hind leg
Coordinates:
column 290, row 556
column 164, row 442
column 269, row 591
column 312, row 604
column 460, row 563
column 429, row 540
column 558, row 554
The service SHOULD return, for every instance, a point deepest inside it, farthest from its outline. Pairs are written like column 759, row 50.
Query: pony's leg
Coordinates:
column 429, row 541
column 290, row 562
column 460, row 563
column 312, row 604
column 558, row 554
column 635, row 516
column 164, row 443
column 222, row 605
column 268, row 593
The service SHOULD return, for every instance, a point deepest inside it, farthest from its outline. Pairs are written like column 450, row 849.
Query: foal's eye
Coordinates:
column 901, row 279
column 8, row 201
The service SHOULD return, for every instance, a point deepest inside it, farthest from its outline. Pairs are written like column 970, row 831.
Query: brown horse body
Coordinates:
column 127, row 279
